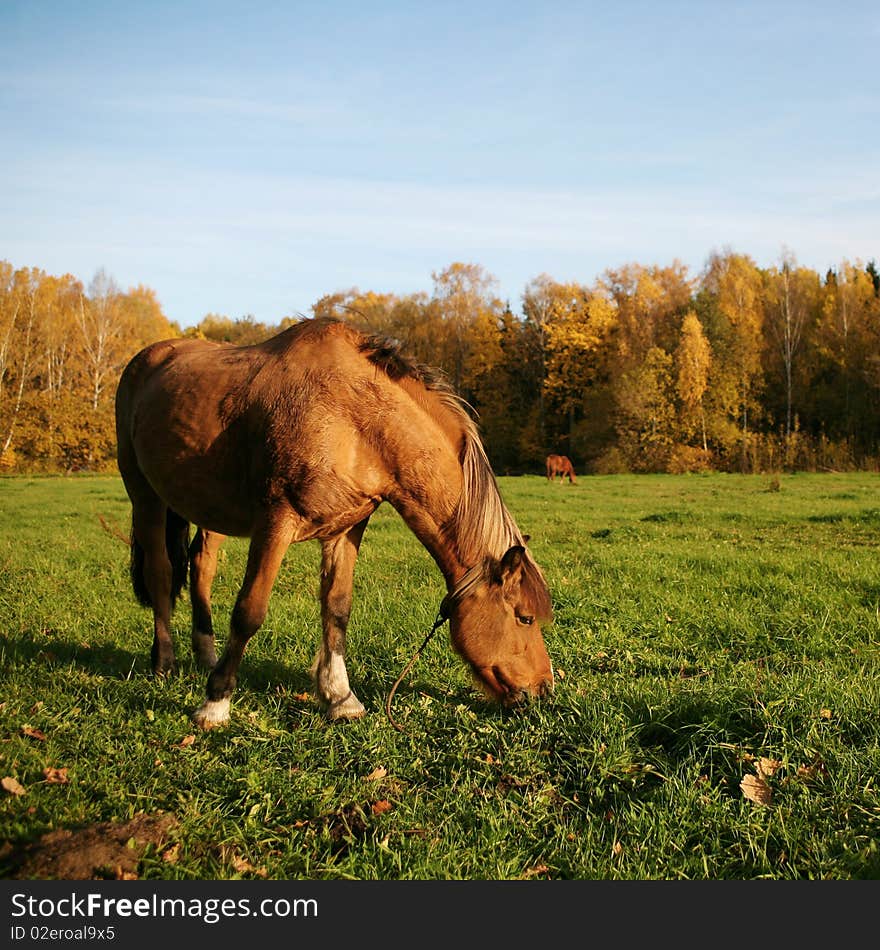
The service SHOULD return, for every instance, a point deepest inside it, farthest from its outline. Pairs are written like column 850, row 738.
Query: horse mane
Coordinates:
column 481, row 525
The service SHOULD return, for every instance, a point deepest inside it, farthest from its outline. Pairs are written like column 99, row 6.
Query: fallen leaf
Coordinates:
column 302, row 697
column 560, row 673
column 243, row 866
column 56, row 776
column 811, row 771
column 376, row 774
column 537, row 870
column 490, row 759
column 380, row 807
column 33, row 733
column 825, row 713
column 768, row 767
column 617, row 848
column 37, row 706
column 171, row 855
column 187, row 740
column 755, row 789
column 13, row 786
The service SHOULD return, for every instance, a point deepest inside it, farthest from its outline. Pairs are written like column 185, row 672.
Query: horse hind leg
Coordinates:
column 338, row 557
column 268, row 546
column 155, row 583
column 202, row 568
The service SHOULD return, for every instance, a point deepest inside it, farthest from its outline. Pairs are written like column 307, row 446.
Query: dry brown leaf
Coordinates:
column 13, row 786
column 755, row 789
column 171, row 855
column 490, row 759
column 187, row 740
column 768, row 767
column 617, row 848
column 537, row 870
column 808, row 772
column 33, row 733
column 56, row 776
column 380, row 807
column 825, row 713
column 243, row 866
column 37, row 706
column 376, row 774
column 302, row 697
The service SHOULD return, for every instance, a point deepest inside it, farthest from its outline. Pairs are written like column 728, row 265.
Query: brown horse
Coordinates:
column 302, row 437
column 560, row 465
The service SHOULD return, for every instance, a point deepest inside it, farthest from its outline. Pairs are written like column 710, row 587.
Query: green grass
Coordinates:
column 702, row 623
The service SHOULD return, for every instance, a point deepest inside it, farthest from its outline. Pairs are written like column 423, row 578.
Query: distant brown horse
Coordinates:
column 560, row 465
column 303, row 437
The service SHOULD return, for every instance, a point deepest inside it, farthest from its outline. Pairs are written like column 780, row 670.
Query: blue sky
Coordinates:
column 246, row 158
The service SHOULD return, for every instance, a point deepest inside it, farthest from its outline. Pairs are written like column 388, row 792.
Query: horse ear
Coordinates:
column 526, row 538
column 510, row 563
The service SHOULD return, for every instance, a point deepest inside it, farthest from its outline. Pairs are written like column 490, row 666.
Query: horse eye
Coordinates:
column 528, row 621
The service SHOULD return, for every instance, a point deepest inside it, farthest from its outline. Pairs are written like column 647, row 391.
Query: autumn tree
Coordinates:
column 464, row 297
column 837, row 352
column 646, row 412
column 735, row 286
column 27, row 295
column 579, row 334
column 792, row 293
column 650, row 302
column 693, row 358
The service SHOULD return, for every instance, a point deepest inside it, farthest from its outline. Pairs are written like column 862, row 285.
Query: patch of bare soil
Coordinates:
column 108, row 850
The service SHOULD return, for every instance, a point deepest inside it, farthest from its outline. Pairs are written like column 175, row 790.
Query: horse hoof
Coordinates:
column 212, row 713
column 162, row 661
column 348, row 708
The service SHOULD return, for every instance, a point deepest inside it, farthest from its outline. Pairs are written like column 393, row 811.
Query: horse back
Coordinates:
column 304, row 422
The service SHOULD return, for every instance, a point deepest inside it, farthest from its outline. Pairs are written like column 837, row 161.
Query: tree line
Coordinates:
column 647, row 369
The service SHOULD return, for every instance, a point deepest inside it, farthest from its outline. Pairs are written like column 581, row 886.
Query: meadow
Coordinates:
column 715, row 715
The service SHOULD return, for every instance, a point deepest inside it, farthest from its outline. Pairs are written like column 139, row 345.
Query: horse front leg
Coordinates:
column 338, row 557
column 202, row 568
column 268, row 546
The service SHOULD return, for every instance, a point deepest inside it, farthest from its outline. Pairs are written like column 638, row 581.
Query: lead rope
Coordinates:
column 461, row 588
column 441, row 619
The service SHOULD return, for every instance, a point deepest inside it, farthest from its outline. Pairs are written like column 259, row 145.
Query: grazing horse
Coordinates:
column 302, row 437
column 560, row 465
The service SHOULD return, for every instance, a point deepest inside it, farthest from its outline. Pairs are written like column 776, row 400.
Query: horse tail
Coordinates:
column 177, row 548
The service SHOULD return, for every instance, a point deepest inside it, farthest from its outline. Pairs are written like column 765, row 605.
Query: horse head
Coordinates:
column 495, row 618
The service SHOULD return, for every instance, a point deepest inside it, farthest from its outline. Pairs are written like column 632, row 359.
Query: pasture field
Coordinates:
column 715, row 641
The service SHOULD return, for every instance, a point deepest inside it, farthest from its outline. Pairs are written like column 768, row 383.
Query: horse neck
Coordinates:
column 454, row 508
